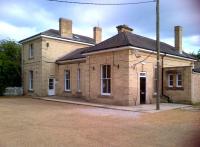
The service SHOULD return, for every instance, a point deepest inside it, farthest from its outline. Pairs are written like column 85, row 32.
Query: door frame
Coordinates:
column 143, row 75
column 53, row 86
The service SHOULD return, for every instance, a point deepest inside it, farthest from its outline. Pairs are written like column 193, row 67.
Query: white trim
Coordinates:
column 53, row 86
column 30, row 80
column 68, row 80
column 144, row 74
column 73, row 60
column 56, row 38
column 136, row 48
column 102, row 93
column 168, row 80
column 78, row 79
column 179, row 80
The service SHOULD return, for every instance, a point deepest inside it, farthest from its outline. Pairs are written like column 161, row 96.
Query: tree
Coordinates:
column 198, row 54
column 10, row 64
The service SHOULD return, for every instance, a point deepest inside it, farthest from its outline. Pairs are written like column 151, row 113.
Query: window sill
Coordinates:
column 31, row 58
column 30, row 90
column 68, row 91
column 174, row 88
column 105, row 96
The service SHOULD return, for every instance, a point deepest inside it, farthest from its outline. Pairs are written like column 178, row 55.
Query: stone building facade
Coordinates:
column 120, row 70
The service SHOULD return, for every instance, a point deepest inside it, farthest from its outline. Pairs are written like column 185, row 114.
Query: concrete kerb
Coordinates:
column 148, row 108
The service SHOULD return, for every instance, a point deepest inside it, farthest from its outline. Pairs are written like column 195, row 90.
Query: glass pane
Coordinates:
column 108, row 71
column 104, row 86
column 171, row 77
column 109, row 86
column 103, row 71
column 179, row 83
column 171, row 83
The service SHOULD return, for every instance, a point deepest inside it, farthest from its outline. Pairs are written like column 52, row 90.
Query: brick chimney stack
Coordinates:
column 65, row 28
column 124, row 28
column 178, row 38
column 97, row 34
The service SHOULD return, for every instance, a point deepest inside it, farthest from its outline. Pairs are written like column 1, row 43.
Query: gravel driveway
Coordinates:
column 27, row 122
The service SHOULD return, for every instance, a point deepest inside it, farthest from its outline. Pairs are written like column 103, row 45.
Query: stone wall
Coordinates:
column 13, row 91
column 195, row 87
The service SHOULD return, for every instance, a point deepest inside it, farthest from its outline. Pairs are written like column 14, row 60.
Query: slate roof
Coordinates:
column 77, row 54
column 55, row 33
column 130, row 39
column 196, row 70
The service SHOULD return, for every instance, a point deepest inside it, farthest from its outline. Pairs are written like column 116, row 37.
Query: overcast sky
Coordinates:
column 22, row 18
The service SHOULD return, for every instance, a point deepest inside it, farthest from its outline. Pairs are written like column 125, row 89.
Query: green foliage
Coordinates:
column 197, row 55
column 10, row 64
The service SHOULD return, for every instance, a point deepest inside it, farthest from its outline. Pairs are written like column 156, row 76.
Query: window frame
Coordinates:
column 105, row 78
column 177, row 80
column 30, row 50
column 69, row 80
column 79, row 80
column 30, row 80
column 168, row 81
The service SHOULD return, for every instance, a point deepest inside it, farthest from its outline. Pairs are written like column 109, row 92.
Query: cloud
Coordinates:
column 9, row 31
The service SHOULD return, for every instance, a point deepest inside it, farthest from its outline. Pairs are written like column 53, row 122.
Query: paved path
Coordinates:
column 149, row 108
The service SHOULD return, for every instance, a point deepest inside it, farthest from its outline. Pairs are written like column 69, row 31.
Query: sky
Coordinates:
column 23, row 18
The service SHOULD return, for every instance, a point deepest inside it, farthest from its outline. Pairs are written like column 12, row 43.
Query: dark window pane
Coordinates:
column 104, row 71
column 109, row 86
column 108, row 71
column 104, row 86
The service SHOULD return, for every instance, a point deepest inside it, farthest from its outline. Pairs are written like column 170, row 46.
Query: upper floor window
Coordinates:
column 67, row 80
column 106, row 79
column 31, row 50
column 179, row 80
column 170, row 80
column 30, row 80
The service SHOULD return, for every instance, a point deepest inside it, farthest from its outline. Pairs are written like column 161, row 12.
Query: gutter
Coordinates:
column 71, row 60
column 137, row 48
column 56, row 38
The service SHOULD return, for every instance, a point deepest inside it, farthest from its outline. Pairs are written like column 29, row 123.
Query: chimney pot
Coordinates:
column 97, row 34
column 178, row 38
column 65, row 28
column 124, row 28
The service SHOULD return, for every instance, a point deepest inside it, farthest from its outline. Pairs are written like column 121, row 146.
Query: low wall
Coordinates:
column 13, row 91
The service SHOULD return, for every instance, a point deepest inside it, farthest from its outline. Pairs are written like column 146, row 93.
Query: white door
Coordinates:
column 51, row 90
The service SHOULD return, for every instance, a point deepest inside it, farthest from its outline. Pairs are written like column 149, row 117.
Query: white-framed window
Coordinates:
column 31, row 50
column 67, row 80
column 155, row 80
column 30, row 80
column 106, row 79
column 170, row 80
column 78, row 79
column 179, row 80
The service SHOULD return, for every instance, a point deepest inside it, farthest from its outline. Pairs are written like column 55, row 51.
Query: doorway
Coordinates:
column 51, row 90
column 142, row 88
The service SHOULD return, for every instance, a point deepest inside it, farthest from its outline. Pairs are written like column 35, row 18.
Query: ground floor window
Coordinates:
column 155, row 80
column 175, row 80
column 30, row 80
column 179, row 80
column 67, row 80
column 105, row 79
column 78, row 79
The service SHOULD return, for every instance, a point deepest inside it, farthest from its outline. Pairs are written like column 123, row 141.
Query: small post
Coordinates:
column 158, row 53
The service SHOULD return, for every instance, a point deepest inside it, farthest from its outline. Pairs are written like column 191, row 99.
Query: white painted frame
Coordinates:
column 102, row 93
column 143, row 76
column 31, row 50
column 168, row 80
column 179, row 80
column 30, row 80
column 79, row 79
column 52, row 92
column 68, row 80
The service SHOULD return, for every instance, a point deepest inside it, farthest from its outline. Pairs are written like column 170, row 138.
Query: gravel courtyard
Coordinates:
column 27, row 122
